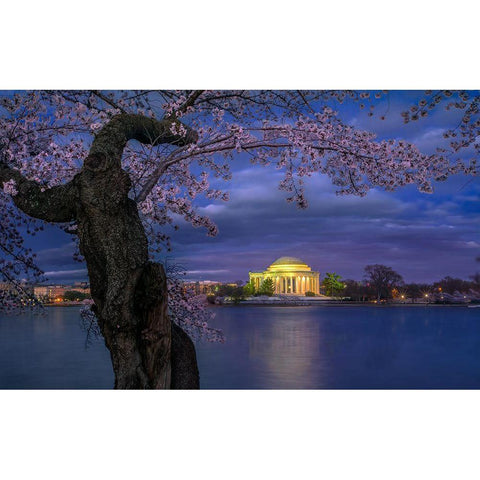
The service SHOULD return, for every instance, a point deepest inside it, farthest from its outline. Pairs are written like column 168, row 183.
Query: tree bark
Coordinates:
column 129, row 291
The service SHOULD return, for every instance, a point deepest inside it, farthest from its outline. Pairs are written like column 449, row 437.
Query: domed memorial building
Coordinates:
column 290, row 275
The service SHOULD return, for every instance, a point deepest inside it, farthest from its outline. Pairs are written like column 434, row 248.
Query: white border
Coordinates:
column 249, row 44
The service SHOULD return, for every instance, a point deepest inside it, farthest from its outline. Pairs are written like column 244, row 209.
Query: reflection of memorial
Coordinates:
column 288, row 353
column 290, row 275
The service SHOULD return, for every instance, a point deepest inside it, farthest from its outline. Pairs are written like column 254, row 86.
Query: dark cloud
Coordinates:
column 67, row 275
column 56, row 256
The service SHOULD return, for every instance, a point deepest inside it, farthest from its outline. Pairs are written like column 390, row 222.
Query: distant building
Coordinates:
column 290, row 275
column 52, row 293
column 41, row 291
column 205, row 287
column 48, row 293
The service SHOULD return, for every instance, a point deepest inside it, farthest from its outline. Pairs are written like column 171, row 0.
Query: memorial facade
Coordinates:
column 290, row 276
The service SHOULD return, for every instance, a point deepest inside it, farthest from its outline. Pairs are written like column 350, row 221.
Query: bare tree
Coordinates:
column 383, row 279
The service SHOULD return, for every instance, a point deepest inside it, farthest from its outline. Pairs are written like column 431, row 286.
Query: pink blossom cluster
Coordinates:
column 10, row 187
column 465, row 137
column 190, row 312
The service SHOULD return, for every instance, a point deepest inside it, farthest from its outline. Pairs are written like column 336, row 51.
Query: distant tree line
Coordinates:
column 74, row 295
column 380, row 283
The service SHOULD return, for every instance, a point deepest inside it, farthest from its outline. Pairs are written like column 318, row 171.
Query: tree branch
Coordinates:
column 164, row 165
column 103, row 97
column 56, row 204
column 113, row 137
column 209, row 148
column 190, row 101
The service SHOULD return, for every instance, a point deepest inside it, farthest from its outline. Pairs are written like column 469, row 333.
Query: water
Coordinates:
column 270, row 347
column 49, row 352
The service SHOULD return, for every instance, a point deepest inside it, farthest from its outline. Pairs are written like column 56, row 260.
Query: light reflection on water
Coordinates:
column 343, row 347
column 269, row 347
column 286, row 353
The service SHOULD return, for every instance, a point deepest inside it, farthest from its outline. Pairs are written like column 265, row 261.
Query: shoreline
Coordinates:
column 341, row 304
column 59, row 304
column 308, row 304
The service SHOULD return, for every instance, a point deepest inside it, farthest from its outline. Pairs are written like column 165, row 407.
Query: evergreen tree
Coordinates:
column 249, row 289
column 267, row 287
column 333, row 284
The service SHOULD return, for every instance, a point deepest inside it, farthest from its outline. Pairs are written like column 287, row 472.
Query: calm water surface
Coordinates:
column 269, row 347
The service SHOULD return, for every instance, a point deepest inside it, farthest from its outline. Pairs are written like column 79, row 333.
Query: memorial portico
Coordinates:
column 290, row 275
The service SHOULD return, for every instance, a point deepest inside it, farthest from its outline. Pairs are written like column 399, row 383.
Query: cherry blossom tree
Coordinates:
column 114, row 168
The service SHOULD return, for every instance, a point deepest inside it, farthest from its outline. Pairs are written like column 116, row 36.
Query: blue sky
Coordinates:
column 423, row 237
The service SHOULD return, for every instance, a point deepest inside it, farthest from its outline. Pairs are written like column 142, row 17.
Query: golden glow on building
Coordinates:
column 290, row 275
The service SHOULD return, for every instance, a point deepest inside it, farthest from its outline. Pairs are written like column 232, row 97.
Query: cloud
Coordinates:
column 417, row 234
column 204, row 272
column 56, row 255
column 67, row 274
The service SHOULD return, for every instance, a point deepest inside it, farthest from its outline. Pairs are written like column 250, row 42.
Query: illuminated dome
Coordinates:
column 290, row 276
column 289, row 263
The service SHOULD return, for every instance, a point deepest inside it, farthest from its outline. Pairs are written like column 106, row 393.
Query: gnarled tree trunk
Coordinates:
column 129, row 291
